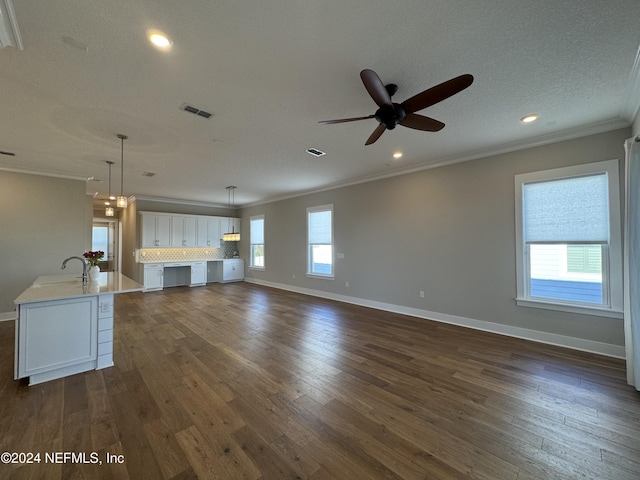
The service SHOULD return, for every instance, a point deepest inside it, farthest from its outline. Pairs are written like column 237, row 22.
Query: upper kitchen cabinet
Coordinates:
column 183, row 231
column 156, row 230
column 208, row 231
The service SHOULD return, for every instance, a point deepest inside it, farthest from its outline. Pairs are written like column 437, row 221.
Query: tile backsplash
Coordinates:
column 161, row 255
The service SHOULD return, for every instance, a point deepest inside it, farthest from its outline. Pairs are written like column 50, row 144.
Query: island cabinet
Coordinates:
column 156, row 230
column 63, row 327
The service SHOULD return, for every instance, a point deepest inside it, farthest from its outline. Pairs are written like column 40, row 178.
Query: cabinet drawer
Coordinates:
column 105, row 336
column 104, row 348
column 105, row 324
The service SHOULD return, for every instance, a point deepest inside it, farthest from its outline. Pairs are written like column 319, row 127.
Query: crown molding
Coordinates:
column 181, row 202
column 45, row 174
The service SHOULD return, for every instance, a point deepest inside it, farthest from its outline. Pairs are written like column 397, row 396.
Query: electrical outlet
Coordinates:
column 294, row 276
column 346, row 284
column 421, row 294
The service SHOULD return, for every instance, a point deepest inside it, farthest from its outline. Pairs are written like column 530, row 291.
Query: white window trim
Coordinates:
column 331, row 276
column 253, row 267
column 614, row 293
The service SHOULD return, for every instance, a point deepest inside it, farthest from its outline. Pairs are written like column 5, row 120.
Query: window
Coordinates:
column 256, row 233
column 100, row 239
column 568, row 239
column 320, row 241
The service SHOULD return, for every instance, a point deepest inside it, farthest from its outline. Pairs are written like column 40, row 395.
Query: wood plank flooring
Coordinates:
column 239, row 381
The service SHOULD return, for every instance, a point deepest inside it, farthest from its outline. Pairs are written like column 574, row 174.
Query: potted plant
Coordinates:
column 93, row 258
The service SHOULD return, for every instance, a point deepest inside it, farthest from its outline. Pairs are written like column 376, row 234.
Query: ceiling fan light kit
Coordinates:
column 390, row 114
column 9, row 30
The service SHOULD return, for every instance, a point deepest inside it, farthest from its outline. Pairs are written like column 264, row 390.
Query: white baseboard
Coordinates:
column 600, row 348
column 6, row 316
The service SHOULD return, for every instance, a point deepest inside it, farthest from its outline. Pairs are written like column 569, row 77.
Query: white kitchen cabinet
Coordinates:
column 153, row 276
column 183, row 231
column 57, row 338
column 156, row 230
column 198, row 273
column 231, row 270
column 64, row 327
column 208, row 231
column 105, row 332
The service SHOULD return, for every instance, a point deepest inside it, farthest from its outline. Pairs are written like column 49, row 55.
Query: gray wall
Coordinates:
column 448, row 231
column 43, row 220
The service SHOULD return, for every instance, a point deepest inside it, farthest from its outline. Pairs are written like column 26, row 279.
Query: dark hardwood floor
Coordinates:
column 239, row 381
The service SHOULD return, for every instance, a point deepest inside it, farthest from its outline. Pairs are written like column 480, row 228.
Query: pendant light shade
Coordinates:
column 231, row 235
column 108, row 211
column 121, row 201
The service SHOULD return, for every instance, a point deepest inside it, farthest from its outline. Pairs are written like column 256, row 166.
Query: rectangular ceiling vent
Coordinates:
column 148, row 174
column 196, row 111
column 315, row 152
column 10, row 154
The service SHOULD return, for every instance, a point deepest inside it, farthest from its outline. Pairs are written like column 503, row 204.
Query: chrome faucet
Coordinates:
column 84, row 267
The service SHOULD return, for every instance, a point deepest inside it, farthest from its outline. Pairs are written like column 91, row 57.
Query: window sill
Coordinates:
column 572, row 308
column 317, row 275
column 256, row 268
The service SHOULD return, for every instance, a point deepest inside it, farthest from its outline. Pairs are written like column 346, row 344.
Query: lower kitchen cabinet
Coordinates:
column 231, row 270
column 198, row 273
column 153, row 276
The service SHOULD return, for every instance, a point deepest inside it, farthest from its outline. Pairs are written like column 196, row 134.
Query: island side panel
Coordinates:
column 57, row 338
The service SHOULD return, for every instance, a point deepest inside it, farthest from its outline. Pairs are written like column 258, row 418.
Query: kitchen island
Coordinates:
column 64, row 327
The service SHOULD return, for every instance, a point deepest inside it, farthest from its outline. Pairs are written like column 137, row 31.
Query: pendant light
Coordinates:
column 121, row 201
column 232, row 236
column 109, row 210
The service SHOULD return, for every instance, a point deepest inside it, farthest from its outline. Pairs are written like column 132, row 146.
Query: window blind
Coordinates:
column 257, row 231
column 566, row 210
column 320, row 227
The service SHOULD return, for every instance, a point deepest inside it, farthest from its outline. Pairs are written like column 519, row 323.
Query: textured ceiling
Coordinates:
column 269, row 71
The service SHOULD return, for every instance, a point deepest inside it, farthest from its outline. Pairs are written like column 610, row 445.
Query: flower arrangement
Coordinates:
column 93, row 257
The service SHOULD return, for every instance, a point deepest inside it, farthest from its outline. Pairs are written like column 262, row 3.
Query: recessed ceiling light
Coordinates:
column 159, row 39
column 532, row 117
column 397, row 155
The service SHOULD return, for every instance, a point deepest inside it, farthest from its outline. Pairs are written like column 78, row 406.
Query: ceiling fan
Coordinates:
column 390, row 114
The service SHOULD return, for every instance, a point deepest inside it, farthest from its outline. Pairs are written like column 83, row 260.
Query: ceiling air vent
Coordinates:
column 315, row 152
column 196, row 111
column 10, row 154
column 148, row 174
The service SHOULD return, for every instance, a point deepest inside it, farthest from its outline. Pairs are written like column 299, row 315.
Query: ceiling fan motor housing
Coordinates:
column 390, row 115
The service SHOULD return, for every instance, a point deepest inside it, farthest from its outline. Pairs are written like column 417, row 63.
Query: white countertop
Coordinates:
column 59, row 287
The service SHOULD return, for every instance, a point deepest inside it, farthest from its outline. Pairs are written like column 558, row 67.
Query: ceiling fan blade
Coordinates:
column 438, row 93
column 376, row 134
column 420, row 122
column 342, row 120
column 375, row 87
